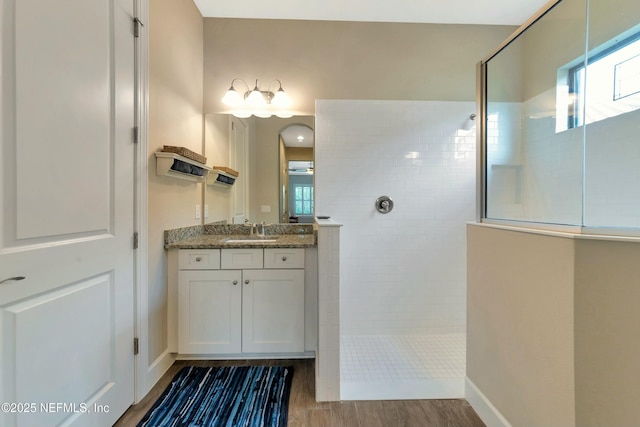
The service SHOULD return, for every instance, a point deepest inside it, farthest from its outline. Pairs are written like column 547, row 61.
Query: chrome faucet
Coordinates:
column 253, row 227
column 256, row 229
column 260, row 229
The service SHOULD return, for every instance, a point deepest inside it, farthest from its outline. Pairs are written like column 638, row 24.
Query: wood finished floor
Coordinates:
column 304, row 411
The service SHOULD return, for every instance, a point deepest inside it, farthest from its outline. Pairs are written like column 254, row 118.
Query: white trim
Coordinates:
column 146, row 374
column 246, row 356
column 327, row 223
column 154, row 372
column 532, row 225
column 577, row 233
column 483, row 406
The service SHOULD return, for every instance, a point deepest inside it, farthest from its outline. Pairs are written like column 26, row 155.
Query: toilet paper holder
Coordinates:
column 384, row 204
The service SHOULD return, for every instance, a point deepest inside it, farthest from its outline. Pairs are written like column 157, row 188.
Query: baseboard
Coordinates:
column 246, row 356
column 402, row 389
column 156, row 370
column 483, row 406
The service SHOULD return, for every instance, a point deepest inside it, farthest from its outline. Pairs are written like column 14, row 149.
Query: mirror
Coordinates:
column 256, row 148
column 296, row 174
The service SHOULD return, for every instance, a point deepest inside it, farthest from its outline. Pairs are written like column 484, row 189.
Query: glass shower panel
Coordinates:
column 534, row 156
column 612, row 115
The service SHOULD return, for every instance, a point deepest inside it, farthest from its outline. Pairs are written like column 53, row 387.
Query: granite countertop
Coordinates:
column 215, row 236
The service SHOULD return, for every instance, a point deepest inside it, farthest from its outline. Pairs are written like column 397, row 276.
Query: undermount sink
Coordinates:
column 249, row 241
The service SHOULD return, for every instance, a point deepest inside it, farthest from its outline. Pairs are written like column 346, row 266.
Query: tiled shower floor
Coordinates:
column 387, row 367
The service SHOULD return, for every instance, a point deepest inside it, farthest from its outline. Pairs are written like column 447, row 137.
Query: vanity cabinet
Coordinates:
column 240, row 301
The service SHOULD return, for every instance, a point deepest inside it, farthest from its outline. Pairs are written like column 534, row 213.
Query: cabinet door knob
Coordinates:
column 246, row 282
column 198, row 259
column 235, row 282
column 284, row 258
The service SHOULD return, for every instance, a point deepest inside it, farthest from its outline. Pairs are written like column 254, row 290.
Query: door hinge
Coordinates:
column 136, row 134
column 135, row 240
column 136, row 346
column 136, row 27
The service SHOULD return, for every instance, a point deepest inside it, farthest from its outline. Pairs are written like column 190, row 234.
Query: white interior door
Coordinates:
column 239, row 160
column 66, row 117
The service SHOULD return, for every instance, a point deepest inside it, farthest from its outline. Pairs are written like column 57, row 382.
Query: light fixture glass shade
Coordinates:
column 255, row 98
column 284, row 114
column 232, row 98
column 256, row 102
column 241, row 114
column 281, row 99
column 263, row 114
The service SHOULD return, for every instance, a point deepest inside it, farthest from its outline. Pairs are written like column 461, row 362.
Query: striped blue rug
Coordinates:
column 234, row 396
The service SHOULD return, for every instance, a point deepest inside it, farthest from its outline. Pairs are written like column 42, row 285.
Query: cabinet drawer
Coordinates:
column 199, row 259
column 284, row 258
column 241, row 258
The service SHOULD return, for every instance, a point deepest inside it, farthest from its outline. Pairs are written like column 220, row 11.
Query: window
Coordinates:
column 607, row 86
column 303, row 197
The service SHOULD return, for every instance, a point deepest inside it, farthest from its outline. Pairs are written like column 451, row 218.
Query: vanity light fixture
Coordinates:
column 257, row 102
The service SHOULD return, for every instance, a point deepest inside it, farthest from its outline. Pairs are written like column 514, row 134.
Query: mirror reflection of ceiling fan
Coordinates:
column 300, row 167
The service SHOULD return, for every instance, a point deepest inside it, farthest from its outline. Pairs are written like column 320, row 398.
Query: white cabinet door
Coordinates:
column 67, row 162
column 209, row 312
column 273, row 311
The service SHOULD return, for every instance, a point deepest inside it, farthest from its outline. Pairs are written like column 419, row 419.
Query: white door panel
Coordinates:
column 66, row 119
column 239, row 160
column 63, row 70
column 39, row 345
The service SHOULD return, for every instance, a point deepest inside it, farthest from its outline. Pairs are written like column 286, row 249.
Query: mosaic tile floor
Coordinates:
column 402, row 367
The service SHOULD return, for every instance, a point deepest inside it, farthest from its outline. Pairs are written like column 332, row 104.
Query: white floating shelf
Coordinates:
column 164, row 162
column 221, row 178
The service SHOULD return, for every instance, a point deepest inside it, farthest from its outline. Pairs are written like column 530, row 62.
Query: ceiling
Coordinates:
column 297, row 136
column 490, row 12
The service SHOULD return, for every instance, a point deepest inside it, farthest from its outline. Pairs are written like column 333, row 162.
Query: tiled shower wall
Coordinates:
column 402, row 272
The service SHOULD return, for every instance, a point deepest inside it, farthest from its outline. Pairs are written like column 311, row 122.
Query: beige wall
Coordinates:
column 556, row 40
column 520, row 324
column 299, row 153
column 609, row 18
column 607, row 333
column 553, row 42
column 346, row 60
column 175, row 118
column 553, row 327
column 529, row 65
